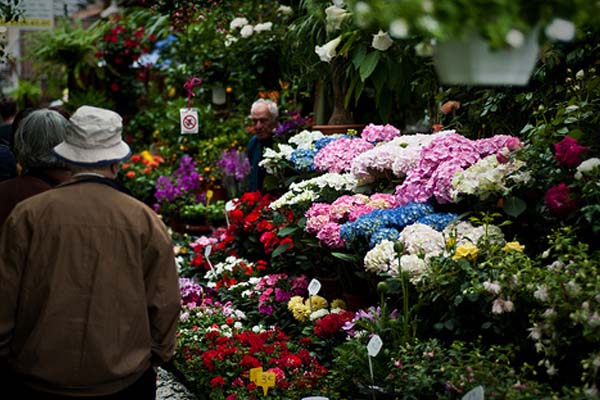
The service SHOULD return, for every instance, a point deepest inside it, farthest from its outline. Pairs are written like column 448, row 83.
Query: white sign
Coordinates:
column 37, row 14
column 313, row 287
column 374, row 345
column 476, row 393
column 188, row 120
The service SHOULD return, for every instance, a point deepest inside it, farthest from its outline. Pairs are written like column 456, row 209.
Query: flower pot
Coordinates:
column 472, row 62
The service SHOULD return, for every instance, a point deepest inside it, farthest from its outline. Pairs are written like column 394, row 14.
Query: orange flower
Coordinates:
column 147, row 170
column 228, row 89
column 130, row 174
column 125, row 165
column 136, row 158
column 450, row 106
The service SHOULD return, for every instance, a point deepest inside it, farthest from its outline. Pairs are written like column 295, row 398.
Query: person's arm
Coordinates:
column 13, row 235
column 162, row 293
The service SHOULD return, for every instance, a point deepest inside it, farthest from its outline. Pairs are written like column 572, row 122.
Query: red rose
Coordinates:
column 568, row 152
column 217, row 381
column 558, row 199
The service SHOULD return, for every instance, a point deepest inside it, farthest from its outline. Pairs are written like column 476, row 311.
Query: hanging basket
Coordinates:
column 472, row 62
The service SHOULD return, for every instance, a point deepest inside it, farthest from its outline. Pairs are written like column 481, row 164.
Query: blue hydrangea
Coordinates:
column 319, row 144
column 438, row 221
column 383, row 234
column 303, row 159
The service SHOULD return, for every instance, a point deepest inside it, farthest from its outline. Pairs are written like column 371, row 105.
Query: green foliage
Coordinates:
column 213, row 213
column 26, row 94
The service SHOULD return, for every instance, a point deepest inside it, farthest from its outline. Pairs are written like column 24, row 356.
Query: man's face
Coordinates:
column 263, row 122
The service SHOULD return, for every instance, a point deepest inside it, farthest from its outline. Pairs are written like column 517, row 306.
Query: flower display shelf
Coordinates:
column 333, row 129
column 472, row 62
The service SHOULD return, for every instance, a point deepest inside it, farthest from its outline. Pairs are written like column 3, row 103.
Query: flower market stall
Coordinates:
column 446, row 247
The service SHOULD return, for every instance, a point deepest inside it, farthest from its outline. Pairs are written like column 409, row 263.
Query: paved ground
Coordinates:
column 168, row 388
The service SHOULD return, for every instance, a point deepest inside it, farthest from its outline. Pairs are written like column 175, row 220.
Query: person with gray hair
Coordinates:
column 37, row 134
column 264, row 115
column 89, row 291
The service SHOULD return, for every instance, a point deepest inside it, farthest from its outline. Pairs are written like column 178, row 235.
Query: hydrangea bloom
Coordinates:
column 379, row 133
column 465, row 233
column 308, row 191
column 303, row 159
column 272, row 159
column 337, row 155
column 420, row 239
column 382, row 259
column 305, row 139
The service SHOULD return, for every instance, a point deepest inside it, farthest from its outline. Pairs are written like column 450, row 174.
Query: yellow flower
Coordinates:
column 468, row 251
column 316, row 303
column 294, row 301
column 301, row 313
column 171, row 91
column 156, row 133
column 513, row 246
column 338, row 303
column 147, row 155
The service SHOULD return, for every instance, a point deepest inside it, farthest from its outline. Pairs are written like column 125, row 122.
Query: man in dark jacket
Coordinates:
column 89, row 297
column 264, row 120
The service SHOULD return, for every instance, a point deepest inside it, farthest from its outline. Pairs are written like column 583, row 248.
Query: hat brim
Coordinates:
column 90, row 157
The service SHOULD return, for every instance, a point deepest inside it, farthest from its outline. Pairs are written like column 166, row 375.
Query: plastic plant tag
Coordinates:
column 476, row 393
column 315, row 398
column 374, row 345
column 254, row 373
column 229, row 207
column 313, row 287
column 188, row 118
column 266, row 380
column 207, row 251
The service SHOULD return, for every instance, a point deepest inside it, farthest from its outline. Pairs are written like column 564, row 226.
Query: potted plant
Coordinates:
column 486, row 43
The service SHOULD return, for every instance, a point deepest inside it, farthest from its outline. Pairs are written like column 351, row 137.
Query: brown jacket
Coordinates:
column 89, row 295
column 14, row 190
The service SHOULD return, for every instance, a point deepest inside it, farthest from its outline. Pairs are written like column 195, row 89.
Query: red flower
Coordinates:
column 217, row 381
column 269, row 241
column 250, row 362
column 330, row 324
column 114, row 87
column 568, row 153
column 558, row 199
column 289, row 241
column 265, row 225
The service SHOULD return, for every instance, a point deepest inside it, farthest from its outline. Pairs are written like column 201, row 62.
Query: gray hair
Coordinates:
column 272, row 106
column 37, row 134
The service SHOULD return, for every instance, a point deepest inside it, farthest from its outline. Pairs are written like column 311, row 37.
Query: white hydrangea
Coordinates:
column 308, row 191
column 247, row 31
column 414, row 265
column 420, row 239
column 464, row 232
column 272, row 160
column 487, row 177
column 265, row 26
column 382, row 258
column 306, row 139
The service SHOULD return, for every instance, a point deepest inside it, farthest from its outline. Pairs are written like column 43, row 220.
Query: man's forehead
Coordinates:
column 261, row 110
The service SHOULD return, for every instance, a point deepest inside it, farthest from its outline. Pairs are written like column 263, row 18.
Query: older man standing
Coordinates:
column 264, row 120
column 89, row 296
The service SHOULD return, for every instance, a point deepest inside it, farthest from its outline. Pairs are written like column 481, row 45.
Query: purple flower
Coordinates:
column 282, row 295
column 235, row 164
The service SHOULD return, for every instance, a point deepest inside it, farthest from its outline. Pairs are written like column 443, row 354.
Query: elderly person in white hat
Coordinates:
column 89, row 296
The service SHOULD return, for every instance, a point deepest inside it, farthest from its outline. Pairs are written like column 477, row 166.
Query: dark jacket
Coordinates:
column 255, row 153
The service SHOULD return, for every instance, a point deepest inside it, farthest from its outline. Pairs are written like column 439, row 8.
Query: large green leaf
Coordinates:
column 368, row 65
column 280, row 249
column 514, row 206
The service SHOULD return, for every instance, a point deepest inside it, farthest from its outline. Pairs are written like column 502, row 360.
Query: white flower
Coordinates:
column 429, row 23
column 492, row 287
column 420, row 239
column 335, row 15
column 515, row 38
column 361, row 14
column 560, row 29
column 541, row 293
column 497, row 306
column 414, row 265
column 265, row 26
column 586, row 166
column 247, row 31
column 318, row 314
column 424, row 49
column 229, row 40
column 339, row 3
column 238, row 23
column 306, row 139
column 382, row 41
column 535, row 332
column 327, row 51
column 285, row 10
column 382, row 258
column 399, row 28
column 427, row 6
column 580, row 75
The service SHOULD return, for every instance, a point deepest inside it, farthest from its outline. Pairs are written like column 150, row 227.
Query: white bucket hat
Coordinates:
column 93, row 137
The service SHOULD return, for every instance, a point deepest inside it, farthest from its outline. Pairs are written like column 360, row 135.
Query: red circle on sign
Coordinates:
column 189, row 122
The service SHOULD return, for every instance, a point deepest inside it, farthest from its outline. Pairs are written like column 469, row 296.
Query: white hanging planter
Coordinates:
column 472, row 62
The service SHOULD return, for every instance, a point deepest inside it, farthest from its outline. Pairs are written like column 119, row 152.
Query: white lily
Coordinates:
column 327, row 51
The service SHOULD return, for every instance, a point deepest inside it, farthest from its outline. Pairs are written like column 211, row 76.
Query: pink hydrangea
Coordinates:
column 337, row 156
column 358, row 211
column 330, row 235
column 382, row 200
column 344, row 204
column 379, row 133
column 317, row 216
column 491, row 145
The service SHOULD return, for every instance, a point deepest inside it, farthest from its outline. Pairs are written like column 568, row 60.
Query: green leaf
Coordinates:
column 287, row 231
column 514, row 206
column 344, row 256
column 280, row 249
column 368, row 65
column 359, row 56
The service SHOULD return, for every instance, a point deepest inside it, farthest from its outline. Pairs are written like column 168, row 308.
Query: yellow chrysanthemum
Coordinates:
column 338, row 303
column 316, row 303
column 294, row 302
column 301, row 313
column 468, row 251
column 513, row 246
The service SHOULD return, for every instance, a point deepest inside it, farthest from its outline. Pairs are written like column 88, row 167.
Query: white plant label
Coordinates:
column 313, row 287
column 476, row 393
column 374, row 345
column 207, row 250
column 188, row 119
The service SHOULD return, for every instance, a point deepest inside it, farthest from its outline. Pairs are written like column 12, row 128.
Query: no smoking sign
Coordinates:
column 188, row 120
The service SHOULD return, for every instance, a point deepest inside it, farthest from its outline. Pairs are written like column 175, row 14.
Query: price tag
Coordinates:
column 266, row 380
column 254, row 373
column 374, row 345
column 229, row 207
column 313, row 287
column 188, row 118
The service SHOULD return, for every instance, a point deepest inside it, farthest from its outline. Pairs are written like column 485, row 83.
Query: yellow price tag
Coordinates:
column 266, row 380
column 209, row 196
column 255, row 373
